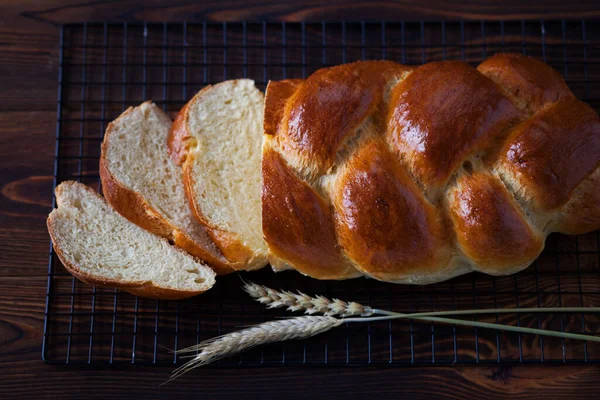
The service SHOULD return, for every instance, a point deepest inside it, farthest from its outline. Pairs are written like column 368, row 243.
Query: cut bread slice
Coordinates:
column 99, row 246
column 217, row 137
column 145, row 185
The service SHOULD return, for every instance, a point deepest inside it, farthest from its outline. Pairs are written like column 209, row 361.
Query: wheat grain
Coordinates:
column 307, row 326
column 268, row 332
column 303, row 302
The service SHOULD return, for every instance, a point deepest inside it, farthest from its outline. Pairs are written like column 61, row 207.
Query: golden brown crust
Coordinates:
column 529, row 150
column 530, row 83
column 554, row 151
column 179, row 137
column 329, row 105
column 180, row 140
column 140, row 289
column 143, row 289
column 217, row 261
column 401, row 233
column 133, row 207
column 239, row 256
column 581, row 214
column 230, row 245
column 130, row 204
column 276, row 96
column 437, row 120
column 136, row 209
column 297, row 223
column 489, row 226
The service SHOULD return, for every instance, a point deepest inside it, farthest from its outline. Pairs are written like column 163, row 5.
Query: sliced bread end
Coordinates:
column 99, row 246
column 217, row 137
column 143, row 184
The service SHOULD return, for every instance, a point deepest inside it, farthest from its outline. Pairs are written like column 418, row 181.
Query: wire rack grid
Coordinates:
column 107, row 67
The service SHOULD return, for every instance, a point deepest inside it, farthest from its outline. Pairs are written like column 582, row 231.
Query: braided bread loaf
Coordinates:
column 417, row 175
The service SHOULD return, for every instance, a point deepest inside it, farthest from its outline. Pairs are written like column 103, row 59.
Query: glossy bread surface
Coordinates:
column 329, row 106
column 444, row 113
column 489, row 225
column 402, row 232
column 530, row 83
column 420, row 174
column 300, row 223
column 554, row 150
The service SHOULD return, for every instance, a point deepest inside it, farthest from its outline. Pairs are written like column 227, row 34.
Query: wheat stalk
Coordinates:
column 307, row 326
column 313, row 305
column 267, row 332
column 302, row 302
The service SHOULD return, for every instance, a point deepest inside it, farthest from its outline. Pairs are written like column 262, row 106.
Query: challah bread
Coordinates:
column 97, row 245
column 144, row 184
column 417, row 175
column 217, row 139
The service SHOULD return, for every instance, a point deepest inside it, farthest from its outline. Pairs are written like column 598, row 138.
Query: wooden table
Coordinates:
column 28, row 76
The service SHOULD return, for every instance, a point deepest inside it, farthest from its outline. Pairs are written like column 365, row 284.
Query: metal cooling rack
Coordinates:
column 105, row 68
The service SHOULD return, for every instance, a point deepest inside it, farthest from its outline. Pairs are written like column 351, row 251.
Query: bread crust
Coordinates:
column 530, row 83
column 402, row 233
column 136, row 209
column 484, row 163
column 130, row 204
column 300, row 228
column 489, row 226
column 142, row 289
column 228, row 243
column 581, row 214
column 178, row 138
column 554, row 151
column 323, row 111
column 443, row 99
column 179, row 142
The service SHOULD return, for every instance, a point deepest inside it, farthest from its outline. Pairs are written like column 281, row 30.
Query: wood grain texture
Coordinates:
column 25, row 191
column 28, row 77
column 24, row 375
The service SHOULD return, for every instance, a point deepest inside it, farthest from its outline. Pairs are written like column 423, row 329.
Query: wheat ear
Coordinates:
column 321, row 305
column 267, row 332
column 307, row 326
column 302, row 302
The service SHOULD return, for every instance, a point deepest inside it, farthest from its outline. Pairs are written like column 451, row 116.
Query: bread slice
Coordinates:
column 97, row 245
column 145, row 185
column 217, row 137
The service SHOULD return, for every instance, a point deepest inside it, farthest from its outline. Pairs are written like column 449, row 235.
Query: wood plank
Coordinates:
column 23, row 373
column 55, row 11
column 275, row 383
column 29, row 67
column 28, row 77
column 29, row 35
column 25, row 191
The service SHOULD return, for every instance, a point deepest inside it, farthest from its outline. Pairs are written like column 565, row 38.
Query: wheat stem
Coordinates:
column 496, row 311
column 477, row 324
column 311, row 305
column 307, row 326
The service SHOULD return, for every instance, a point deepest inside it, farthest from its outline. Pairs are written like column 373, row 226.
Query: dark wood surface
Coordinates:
column 28, row 79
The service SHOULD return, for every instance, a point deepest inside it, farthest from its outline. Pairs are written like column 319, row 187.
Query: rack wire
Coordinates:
column 107, row 67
